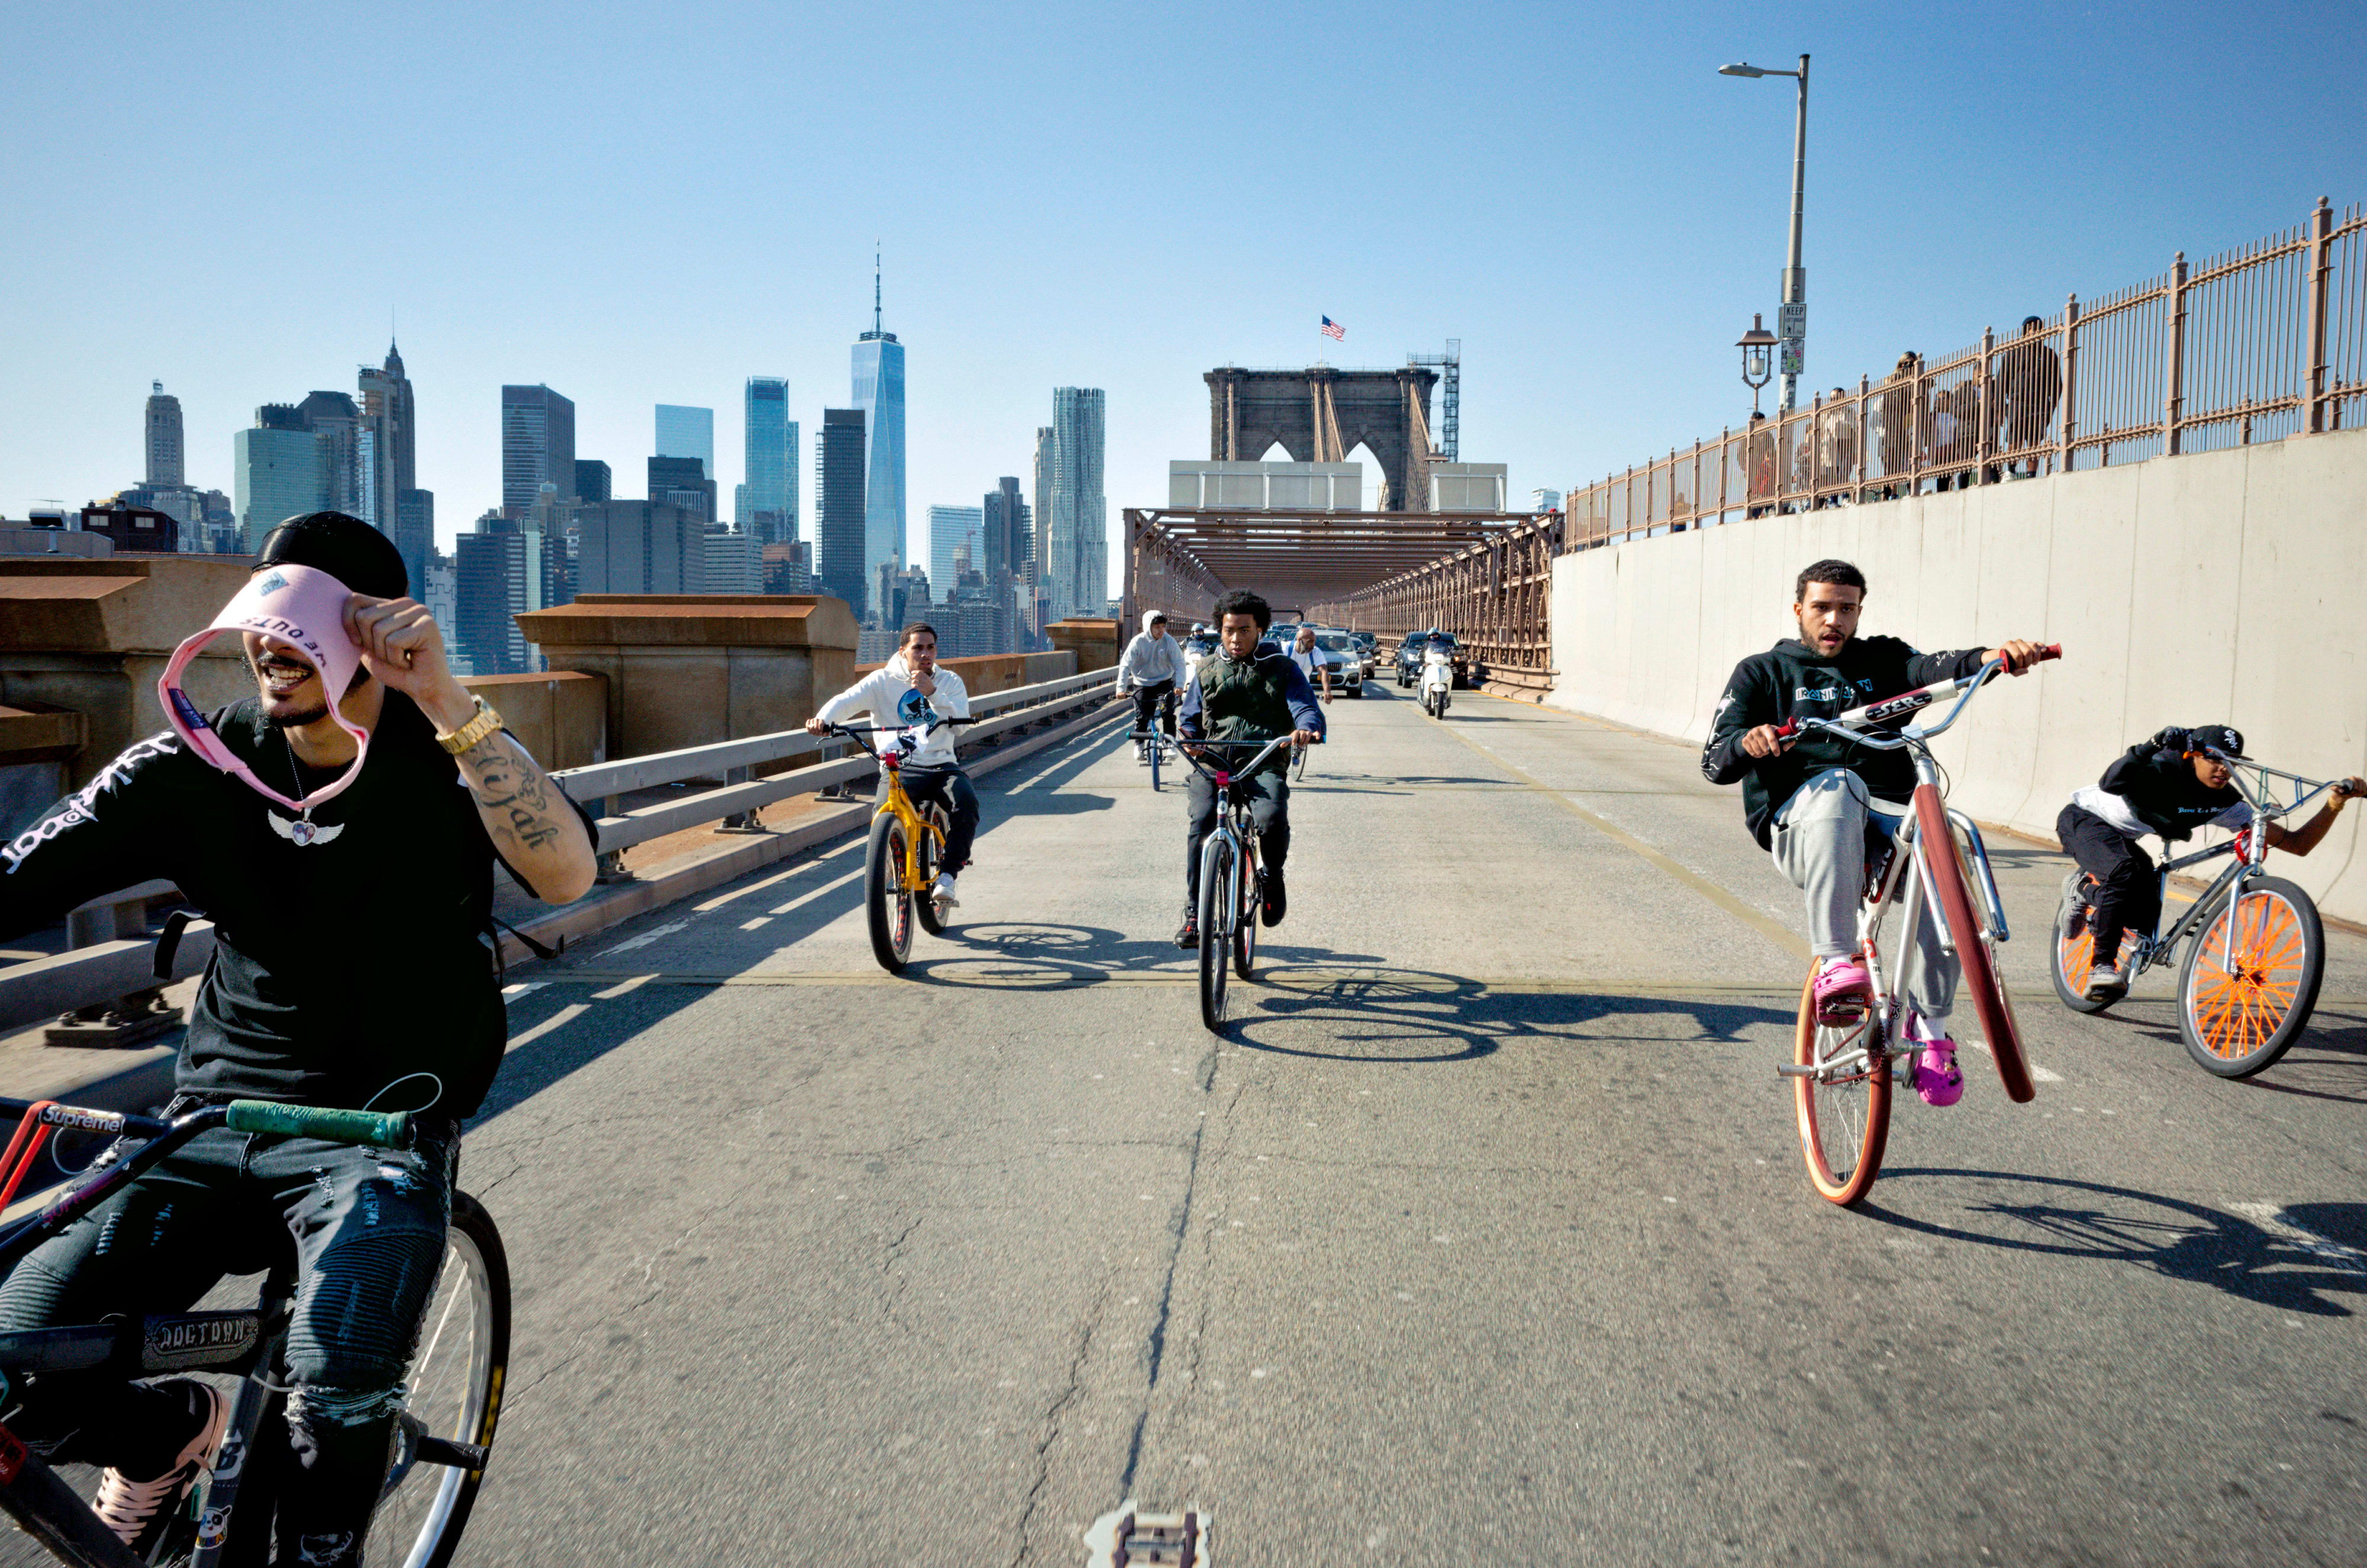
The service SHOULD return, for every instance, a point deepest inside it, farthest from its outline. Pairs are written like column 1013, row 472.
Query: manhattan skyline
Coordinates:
column 1597, row 268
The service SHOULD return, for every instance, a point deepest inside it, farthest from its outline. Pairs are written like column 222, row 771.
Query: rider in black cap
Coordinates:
column 2168, row 786
column 352, row 967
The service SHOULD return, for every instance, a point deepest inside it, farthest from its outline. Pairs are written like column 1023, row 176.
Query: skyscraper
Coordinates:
column 769, row 499
column 164, row 464
column 879, row 395
column 385, row 452
column 684, row 482
column 1078, row 513
column 640, row 547
column 688, row 433
column 279, row 470
column 489, row 591
column 537, row 445
column 338, row 421
column 839, row 522
column 414, row 536
column 1003, row 524
column 951, row 529
column 592, row 481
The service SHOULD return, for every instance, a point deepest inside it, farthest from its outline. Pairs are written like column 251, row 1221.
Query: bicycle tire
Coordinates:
column 1992, row 1008
column 1251, row 905
column 1845, row 1120
column 887, row 909
column 2236, row 1025
column 1215, row 872
column 475, row 1280
column 1156, row 747
column 1299, row 764
column 924, row 909
column 2072, row 960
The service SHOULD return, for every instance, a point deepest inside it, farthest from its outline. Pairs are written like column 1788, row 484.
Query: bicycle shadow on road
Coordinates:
column 2296, row 1261
column 1424, row 1015
column 2334, row 1055
column 1055, row 955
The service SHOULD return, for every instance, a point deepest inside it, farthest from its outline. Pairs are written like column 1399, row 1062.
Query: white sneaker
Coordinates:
column 130, row 1508
column 2107, row 985
column 943, row 893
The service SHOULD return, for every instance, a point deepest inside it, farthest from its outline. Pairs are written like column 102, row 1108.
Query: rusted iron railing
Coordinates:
column 1495, row 596
column 2265, row 341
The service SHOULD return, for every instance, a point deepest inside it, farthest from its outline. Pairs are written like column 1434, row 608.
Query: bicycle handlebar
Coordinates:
column 855, row 732
column 1264, row 750
column 1845, row 724
column 370, row 1129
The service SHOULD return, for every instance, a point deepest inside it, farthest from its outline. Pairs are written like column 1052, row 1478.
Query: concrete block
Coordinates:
column 562, row 718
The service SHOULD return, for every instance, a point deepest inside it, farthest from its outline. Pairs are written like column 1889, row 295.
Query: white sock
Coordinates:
column 1923, row 1027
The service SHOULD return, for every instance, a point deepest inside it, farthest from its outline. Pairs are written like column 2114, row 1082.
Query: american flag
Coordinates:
column 1332, row 329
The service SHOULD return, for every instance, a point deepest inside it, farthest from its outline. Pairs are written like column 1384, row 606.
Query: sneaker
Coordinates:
column 1188, row 935
column 1844, row 990
column 943, row 893
column 1277, row 901
column 2107, row 984
column 1935, row 1077
column 136, row 1511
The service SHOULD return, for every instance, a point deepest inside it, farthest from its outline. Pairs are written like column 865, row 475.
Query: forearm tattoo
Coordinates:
column 512, row 795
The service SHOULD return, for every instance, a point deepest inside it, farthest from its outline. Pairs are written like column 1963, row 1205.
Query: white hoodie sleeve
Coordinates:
column 876, row 694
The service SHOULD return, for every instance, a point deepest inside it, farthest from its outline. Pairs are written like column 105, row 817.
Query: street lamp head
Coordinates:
column 1758, row 347
column 1741, row 71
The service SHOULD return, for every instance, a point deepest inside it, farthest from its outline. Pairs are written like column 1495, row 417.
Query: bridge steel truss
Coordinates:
column 1300, row 562
column 1495, row 595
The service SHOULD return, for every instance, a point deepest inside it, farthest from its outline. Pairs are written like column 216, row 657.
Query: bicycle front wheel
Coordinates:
column 887, row 906
column 1844, row 1106
column 455, row 1386
column 2236, row 1021
column 1976, row 956
column 2074, row 958
column 1217, row 902
column 924, row 908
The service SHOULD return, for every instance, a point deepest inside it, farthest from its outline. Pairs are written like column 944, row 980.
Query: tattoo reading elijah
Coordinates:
column 505, row 783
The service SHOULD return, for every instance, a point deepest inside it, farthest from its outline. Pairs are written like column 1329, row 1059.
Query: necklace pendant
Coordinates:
column 302, row 830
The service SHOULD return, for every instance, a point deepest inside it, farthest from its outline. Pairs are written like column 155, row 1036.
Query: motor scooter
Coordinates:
column 1437, row 682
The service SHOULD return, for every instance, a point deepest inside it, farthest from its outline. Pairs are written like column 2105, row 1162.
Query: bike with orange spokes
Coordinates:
column 2253, row 948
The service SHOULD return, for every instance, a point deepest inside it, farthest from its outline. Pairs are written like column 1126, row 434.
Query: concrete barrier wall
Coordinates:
column 2223, row 586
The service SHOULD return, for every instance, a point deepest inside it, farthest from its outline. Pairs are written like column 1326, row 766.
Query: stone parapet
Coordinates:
column 560, row 718
column 92, row 635
column 1095, row 640
column 693, row 669
column 983, row 674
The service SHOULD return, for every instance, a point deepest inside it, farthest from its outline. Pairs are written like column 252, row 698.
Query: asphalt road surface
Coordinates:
column 1483, row 1238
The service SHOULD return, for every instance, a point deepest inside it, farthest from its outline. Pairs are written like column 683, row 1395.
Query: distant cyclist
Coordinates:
column 2168, row 786
column 1244, row 694
column 913, row 690
column 1152, row 670
column 1813, row 799
column 352, row 967
column 1311, row 662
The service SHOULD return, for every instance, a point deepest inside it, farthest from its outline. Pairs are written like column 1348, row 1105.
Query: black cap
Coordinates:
column 2224, row 737
column 346, row 547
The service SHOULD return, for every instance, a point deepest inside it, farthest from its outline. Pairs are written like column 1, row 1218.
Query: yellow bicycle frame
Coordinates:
column 899, row 806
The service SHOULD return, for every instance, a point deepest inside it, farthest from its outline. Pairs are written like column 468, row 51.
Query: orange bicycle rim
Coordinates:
column 2237, row 1014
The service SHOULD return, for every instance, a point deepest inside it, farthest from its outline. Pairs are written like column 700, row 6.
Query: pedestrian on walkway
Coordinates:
column 2028, row 390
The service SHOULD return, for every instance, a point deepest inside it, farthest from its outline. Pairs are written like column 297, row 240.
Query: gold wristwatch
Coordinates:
column 476, row 729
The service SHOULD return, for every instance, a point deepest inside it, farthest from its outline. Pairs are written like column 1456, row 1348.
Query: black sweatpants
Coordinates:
column 2128, row 890
column 1150, row 699
column 1269, row 815
column 950, row 788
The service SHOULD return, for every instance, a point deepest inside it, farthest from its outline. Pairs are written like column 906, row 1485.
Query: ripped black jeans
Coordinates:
column 367, row 1227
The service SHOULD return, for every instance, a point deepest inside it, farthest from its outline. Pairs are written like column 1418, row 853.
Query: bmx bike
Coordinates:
column 444, row 1433
column 1845, row 1066
column 2254, row 947
column 908, row 841
column 1231, row 885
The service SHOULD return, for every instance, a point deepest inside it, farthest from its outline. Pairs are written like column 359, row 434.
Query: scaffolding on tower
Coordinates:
column 1450, row 423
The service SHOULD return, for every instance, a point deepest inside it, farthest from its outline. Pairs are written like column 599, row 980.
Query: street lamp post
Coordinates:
column 1792, row 317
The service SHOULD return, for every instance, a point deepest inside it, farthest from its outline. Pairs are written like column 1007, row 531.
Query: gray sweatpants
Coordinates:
column 1820, row 842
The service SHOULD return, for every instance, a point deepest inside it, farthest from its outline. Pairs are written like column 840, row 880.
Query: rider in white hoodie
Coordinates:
column 913, row 689
column 1153, row 669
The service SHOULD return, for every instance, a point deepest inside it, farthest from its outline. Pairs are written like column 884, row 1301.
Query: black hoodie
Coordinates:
column 1792, row 678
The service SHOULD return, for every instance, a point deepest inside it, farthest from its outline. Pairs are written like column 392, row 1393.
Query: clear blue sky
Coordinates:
column 649, row 204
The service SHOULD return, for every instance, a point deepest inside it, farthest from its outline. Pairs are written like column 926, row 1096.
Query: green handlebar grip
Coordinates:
column 374, row 1129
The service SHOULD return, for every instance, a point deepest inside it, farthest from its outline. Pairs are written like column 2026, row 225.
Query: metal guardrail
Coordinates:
column 102, row 970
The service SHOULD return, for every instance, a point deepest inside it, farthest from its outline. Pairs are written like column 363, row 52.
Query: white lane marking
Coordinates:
column 759, row 920
column 644, row 940
column 778, row 877
column 2037, row 1073
column 523, row 986
column 565, row 1015
column 2277, row 1222
column 825, row 888
column 623, row 988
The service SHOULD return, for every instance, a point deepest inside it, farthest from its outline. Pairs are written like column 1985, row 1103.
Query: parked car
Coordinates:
column 1410, row 651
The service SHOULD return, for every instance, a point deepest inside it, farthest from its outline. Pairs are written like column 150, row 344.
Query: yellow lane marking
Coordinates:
column 1765, row 925
column 972, row 973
